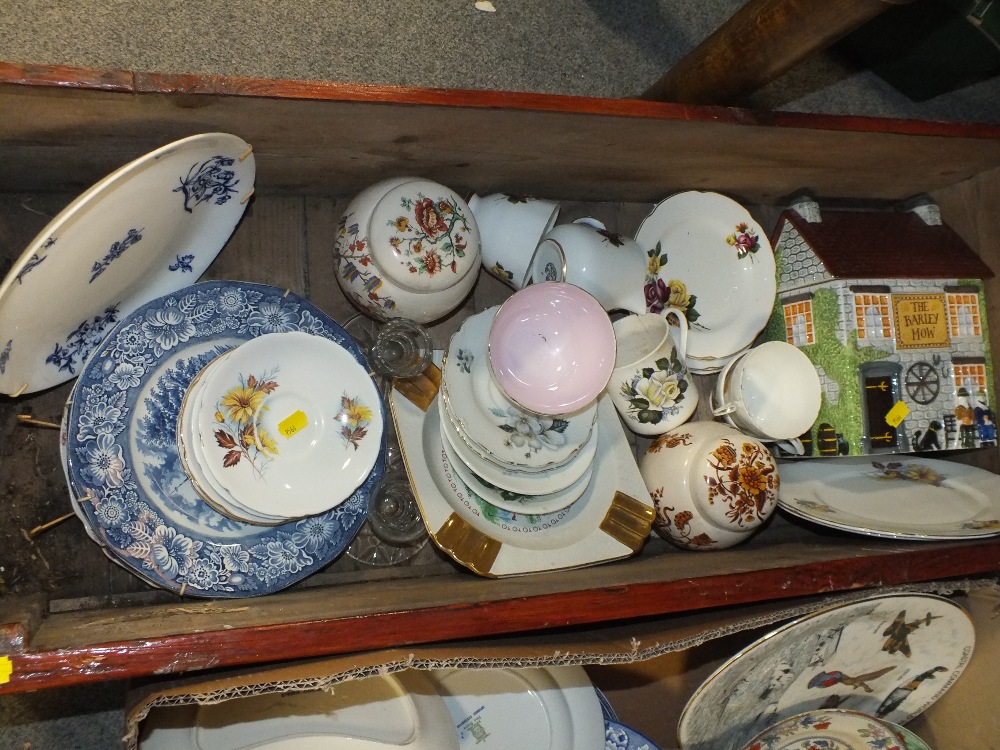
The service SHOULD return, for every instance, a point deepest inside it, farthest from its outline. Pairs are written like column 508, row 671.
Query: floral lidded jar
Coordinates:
column 712, row 486
column 407, row 248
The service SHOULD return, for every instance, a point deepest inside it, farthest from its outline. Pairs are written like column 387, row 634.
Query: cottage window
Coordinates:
column 799, row 322
column 871, row 315
column 971, row 376
column 963, row 314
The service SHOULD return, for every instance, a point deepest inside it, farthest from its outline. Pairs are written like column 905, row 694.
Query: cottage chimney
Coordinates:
column 807, row 208
column 926, row 209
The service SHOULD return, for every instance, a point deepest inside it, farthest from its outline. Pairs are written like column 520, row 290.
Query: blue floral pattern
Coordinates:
column 81, row 342
column 182, row 264
column 116, row 251
column 33, row 262
column 5, row 355
column 211, row 180
column 122, row 448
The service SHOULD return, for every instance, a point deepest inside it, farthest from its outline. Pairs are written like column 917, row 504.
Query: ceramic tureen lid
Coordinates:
column 424, row 236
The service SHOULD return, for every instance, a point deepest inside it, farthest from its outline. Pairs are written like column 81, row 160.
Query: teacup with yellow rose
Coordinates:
column 650, row 386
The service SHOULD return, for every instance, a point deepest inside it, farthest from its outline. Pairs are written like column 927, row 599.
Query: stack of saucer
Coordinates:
column 516, row 459
column 265, row 439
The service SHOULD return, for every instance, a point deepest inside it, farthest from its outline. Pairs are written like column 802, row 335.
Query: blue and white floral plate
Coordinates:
column 122, row 450
column 149, row 228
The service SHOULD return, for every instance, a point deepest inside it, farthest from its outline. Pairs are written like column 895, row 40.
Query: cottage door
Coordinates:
column 880, row 391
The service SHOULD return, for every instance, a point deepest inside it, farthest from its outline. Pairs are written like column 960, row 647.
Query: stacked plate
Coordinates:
column 130, row 483
column 264, row 437
column 514, row 459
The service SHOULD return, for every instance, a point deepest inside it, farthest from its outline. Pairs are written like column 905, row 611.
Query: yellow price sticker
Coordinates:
column 293, row 423
column 6, row 669
column 897, row 414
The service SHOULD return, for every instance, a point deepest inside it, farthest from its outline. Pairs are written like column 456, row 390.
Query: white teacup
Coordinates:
column 771, row 392
column 609, row 266
column 510, row 227
column 650, row 385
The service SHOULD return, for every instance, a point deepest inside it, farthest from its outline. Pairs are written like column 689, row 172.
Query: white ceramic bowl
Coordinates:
column 551, row 348
column 712, row 486
column 407, row 248
column 297, row 424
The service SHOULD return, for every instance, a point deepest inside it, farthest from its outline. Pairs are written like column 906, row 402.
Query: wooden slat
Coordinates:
column 798, row 570
column 559, row 147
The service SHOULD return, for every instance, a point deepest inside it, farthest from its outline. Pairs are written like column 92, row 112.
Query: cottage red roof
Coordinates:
column 886, row 245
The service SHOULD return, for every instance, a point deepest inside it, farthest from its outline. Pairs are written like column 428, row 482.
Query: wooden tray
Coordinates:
column 69, row 615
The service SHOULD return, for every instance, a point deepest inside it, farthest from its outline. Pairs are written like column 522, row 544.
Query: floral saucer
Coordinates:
column 122, row 447
column 487, row 420
column 709, row 257
column 290, row 424
column 512, row 480
column 515, row 502
column 611, row 520
column 149, row 228
column 192, row 457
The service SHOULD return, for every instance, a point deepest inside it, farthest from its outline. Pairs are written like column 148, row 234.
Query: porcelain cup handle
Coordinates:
column 792, row 445
column 680, row 340
column 591, row 222
column 720, row 411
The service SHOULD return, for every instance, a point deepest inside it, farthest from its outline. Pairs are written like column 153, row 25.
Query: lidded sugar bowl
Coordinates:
column 712, row 486
column 407, row 247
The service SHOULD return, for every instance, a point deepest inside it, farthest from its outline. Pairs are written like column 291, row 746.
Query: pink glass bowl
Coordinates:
column 551, row 348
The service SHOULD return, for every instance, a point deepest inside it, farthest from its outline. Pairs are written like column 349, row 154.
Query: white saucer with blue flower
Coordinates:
column 290, row 424
column 122, row 447
column 149, row 228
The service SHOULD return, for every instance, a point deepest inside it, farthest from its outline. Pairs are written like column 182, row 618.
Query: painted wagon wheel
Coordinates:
column 922, row 382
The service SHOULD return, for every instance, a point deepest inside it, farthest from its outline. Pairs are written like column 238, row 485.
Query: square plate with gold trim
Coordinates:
column 611, row 520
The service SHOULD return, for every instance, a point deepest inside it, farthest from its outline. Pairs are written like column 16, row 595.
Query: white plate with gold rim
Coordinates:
column 515, row 502
column 149, row 228
column 709, row 257
column 540, row 482
column 616, row 524
column 297, row 424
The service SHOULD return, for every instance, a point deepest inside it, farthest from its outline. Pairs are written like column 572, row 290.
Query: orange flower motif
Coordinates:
column 725, row 453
